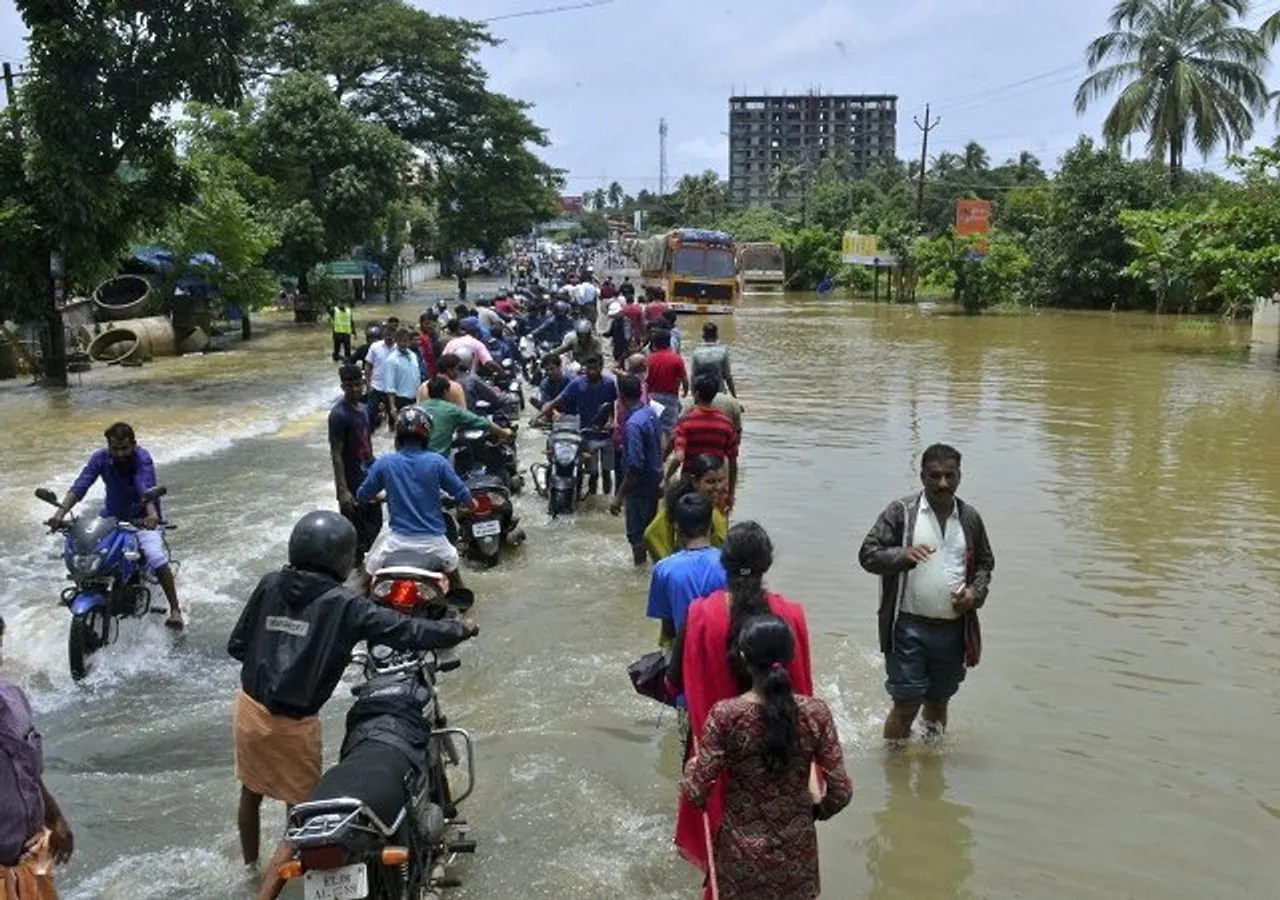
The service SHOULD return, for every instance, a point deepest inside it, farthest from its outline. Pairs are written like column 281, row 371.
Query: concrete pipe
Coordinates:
column 196, row 342
column 135, row 341
column 121, row 298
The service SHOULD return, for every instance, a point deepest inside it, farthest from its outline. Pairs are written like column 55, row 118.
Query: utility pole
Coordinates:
column 662, row 157
column 929, row 125
column 10, row 99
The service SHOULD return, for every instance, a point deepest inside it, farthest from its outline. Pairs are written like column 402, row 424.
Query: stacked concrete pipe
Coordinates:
column 135, row 341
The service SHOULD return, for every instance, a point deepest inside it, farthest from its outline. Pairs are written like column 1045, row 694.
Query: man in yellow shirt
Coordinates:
column 344, row 327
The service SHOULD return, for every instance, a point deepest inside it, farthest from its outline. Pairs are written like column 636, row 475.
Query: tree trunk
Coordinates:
column 55, row 364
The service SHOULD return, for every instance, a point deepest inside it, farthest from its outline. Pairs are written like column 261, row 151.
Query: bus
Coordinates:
column 762, row 269
column 696, row 268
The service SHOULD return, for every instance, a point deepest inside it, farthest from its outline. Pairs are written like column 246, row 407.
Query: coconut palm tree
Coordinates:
column 1187, row 73
column 616, row 195
column 975, row 158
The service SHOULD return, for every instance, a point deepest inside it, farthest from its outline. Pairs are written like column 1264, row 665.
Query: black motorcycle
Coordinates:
column 383, row 823
column 561, row 479
column 485, row 466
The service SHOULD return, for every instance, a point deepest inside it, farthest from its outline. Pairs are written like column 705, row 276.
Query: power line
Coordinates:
column 568, row 7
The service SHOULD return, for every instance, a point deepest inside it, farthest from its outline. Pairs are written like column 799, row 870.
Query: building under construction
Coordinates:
column 795, row 132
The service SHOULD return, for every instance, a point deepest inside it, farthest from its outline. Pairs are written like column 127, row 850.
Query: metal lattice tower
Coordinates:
column 662, row 157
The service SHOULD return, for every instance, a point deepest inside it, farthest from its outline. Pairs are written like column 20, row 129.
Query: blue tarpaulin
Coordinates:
column 373, row 270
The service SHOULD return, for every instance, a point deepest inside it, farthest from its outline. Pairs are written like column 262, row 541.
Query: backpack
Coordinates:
column 21, row 761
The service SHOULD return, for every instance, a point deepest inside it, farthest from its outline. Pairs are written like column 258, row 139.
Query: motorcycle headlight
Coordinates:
column 564, row 454
column 86, row 563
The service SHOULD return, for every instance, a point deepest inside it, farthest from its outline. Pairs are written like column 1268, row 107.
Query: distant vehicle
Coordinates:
column 696, row 268
column 762, row 268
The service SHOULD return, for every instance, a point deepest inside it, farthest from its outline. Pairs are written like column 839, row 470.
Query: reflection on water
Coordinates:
column 1115, row 742
column 922, row 844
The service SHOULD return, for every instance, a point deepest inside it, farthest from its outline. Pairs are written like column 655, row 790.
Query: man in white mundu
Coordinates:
column 934, row 561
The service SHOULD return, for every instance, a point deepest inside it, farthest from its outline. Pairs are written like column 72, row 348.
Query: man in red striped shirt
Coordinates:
column 705, row 430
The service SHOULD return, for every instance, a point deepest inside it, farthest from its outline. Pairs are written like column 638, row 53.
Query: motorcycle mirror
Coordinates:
column 155, row 493
column 47, row 496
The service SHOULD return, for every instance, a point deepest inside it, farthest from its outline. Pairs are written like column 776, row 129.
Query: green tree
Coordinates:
column 812, row 254
column 100, row 160
column 1080, row 257
column 701, row 199
column 1188, row 74
column 616, row 196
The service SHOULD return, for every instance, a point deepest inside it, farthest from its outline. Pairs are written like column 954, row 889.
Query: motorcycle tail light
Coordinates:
column 333, row 856
column 484, row 504
column 404, row 595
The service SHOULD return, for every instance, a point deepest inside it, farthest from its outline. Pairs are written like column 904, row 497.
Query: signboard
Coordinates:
column 638, row 220
column 346, row 268
column 864, row 250
column 974, row 217
column 570, row 206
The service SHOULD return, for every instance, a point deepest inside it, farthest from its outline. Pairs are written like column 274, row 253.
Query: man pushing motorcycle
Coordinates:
column 128, row 472
column 294, row 639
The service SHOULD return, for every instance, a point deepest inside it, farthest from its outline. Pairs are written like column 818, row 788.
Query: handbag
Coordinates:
column 649, row 677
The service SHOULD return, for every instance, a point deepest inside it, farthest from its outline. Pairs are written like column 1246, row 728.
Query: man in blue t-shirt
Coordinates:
column 351, row 453
column 590, row 397
column 641, row 487
column 413, row 478
column 691, row 573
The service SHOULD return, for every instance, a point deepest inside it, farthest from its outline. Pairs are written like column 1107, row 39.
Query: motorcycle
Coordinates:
column 561, row 477
column 481, row 463
column 508, row 382
column 383, row 823
column 110, row 579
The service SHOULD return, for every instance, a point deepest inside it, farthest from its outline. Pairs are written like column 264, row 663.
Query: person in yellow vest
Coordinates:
column 343, row 327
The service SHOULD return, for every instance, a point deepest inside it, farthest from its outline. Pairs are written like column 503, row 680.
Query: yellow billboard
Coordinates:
column 864, row 250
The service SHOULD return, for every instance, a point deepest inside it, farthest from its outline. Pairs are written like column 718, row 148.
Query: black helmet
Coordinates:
column 414, row 422
column 584, row 328
column 323, row 541
column 560, row 308
column 373, row 333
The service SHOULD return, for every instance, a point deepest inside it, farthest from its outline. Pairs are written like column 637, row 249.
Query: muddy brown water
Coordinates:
column 1118, row 740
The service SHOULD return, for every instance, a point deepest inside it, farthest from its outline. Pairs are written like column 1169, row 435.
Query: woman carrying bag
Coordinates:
column 764, row 744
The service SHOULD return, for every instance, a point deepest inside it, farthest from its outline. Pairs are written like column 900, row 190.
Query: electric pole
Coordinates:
column 662, row 157
column 929, row 125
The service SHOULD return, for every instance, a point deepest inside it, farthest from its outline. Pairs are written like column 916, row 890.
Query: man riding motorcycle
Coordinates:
column 582, row 344
column 557, row 326
column 475, row 387
column 293, row 640
column 413, row 478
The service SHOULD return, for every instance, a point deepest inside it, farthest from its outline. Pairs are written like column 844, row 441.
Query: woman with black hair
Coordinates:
column 766, row 741
column 706, row 665
column 708, row 476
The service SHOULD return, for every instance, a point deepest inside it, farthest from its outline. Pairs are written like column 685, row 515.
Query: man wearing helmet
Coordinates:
column 412, row 479
column 582, row 344
column 556, row 327
column 293, row 640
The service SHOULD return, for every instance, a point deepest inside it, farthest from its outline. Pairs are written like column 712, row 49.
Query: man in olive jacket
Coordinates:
column 931, row 552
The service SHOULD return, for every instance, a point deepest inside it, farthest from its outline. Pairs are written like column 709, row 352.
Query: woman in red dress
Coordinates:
column 700, row 665
column 764, row 744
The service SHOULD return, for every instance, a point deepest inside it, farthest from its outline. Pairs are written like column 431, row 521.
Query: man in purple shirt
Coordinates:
column 128, row 472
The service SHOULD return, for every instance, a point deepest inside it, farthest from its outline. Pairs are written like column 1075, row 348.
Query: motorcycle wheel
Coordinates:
column 82, row 642
column 561, row 503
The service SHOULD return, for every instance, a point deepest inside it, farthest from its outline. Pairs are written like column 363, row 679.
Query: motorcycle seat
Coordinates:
column 373, row 773
column 413, row 559
column 487, row 483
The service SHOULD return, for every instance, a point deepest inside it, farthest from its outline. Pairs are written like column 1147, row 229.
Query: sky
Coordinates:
column 1001, row 72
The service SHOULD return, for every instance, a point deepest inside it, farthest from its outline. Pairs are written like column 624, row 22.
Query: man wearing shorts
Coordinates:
column 128, row 472
column 294, row 640
column 934, row 561
column 351, row 453
column 413, row 478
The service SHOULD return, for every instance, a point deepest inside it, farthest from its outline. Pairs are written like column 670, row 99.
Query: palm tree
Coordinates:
column 1186, row 72
column 976, row 159
column 616, row 195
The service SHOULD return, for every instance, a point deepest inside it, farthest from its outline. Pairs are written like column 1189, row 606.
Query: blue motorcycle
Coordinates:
column 110, row 579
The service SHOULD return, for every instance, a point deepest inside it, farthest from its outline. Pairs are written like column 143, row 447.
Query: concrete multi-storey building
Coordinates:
column 795, row 132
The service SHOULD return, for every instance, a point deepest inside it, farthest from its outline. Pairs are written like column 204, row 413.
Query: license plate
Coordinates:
column 486, row 529
column 347, row 883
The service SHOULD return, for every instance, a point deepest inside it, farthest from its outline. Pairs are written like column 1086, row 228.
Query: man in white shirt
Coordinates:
column 375, row 377
column 934, row 561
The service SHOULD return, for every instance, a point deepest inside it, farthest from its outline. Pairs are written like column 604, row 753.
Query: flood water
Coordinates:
column 1118, row 740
